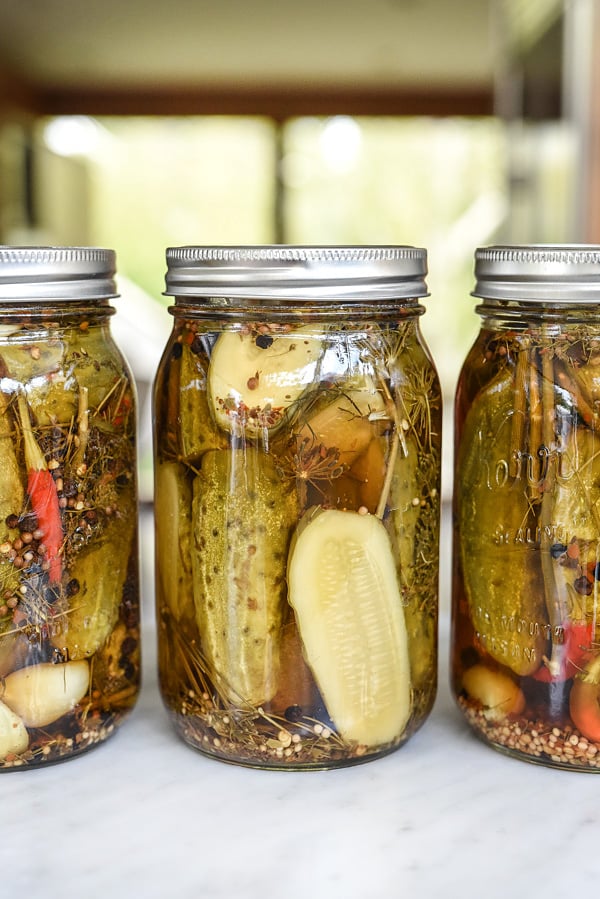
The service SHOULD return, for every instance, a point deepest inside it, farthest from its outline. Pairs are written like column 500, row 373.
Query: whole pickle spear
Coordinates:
column 404, row 514
column 11, row 485
column 173, row 500
column 498, row 551
column 242, row 517
column 99, row 572
column 197, row 430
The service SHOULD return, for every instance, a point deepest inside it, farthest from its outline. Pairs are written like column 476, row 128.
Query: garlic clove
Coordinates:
column 43, row 693
column 496, row 691
column 13, row 735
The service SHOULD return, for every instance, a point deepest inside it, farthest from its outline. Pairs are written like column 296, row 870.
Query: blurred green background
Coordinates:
column 446, row 126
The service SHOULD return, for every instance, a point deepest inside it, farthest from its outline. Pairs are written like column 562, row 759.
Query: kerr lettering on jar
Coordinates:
column 526, row 631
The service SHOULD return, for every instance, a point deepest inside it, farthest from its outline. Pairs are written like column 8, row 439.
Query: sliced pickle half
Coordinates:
column 253, row 378
column 343, row 588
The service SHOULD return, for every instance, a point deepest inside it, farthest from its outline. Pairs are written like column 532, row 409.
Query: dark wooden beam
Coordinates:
column 21, row 97
column 276, row 102
column 18, row 100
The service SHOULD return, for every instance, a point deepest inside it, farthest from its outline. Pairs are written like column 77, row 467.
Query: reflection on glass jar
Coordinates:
column 297, row 436
column 69, row 640
column 526, row 637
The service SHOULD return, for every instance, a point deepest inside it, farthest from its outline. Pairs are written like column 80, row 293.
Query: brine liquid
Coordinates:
column 69, row 604
column 233, row 481
column 526, row 636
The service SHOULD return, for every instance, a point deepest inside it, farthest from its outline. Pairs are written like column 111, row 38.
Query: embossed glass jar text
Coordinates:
column 526, row 598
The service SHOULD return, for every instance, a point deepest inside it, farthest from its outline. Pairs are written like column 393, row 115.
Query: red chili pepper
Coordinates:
column 584, row 701
column 575, row 652
column 42, row 495
column 123, row 409
column 44, row 503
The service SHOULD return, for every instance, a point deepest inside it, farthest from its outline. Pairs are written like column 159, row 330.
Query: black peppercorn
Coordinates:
column 293, row 713
column 264, row 341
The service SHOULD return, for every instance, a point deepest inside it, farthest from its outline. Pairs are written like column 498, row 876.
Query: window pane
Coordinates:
column 169, row 182
column 437, row 183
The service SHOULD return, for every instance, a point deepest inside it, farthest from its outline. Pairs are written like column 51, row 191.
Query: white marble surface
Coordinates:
column 145, row 816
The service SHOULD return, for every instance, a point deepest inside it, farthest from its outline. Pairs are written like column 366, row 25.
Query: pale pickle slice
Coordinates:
column 253, row 378
column 498, row 538
column 343, row 589
column 242, row 516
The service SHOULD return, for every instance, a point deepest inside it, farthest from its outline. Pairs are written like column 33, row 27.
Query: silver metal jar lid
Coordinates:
column 56, row 273
column 538, row 273
column 297, row 272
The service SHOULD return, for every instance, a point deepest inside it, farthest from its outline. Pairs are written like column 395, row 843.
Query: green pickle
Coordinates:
column 293, row 632
column 91, row 615
column 503, row 579
column 68, row 548
column 173, row 496
column 12, row 491
column 413, row 490
column 527, row 563
column 242, row 514
column 197, row 431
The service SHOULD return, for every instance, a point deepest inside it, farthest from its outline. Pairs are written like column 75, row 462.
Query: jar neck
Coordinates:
column 248, row 309
column 58, row 313
column 518, row 315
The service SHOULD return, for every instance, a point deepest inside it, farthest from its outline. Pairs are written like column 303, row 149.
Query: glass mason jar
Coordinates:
column 69, row 641
column 297, row 465
column 526, row 603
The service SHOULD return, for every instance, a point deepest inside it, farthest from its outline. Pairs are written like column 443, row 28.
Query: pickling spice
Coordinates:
column 526, row 635
column 69, row 605
column 297, row 466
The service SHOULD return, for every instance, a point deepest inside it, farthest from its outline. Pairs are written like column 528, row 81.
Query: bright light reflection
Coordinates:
column 340, row 142
column 72, row 136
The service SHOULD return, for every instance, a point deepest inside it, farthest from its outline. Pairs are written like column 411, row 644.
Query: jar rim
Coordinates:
column 559, row 273
column 297, row 272
column 44, row 273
